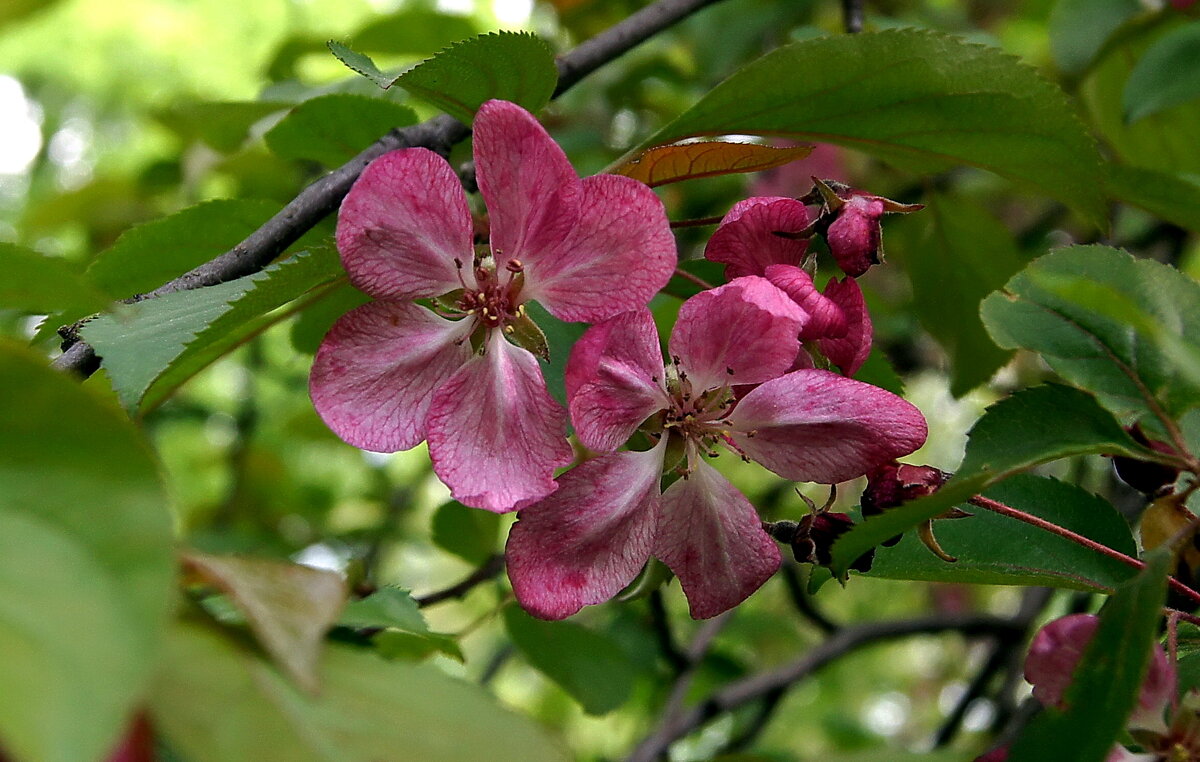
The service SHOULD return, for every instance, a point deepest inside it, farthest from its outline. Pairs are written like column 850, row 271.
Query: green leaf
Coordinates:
column 511, row 66
column 1168, row 74
column 965, row 255
column 332, row 129
column 1079, row 29
column 1042, row 424
column 360, row 63
column 289, row 607
column 151, row 347
column 998, row 550
column 561, row 337
column 469, row 533
column 589, row 666
column 1107, row 680
column 86, row 564
column 223, row 126
column 1122, row 328
column 15, row 10
column 33, row 282
column 917, row 99
column 412, row 31
column 878, row 371
column 1169, row 196
column 215, row 701
column 406, row 636
column 320, row 315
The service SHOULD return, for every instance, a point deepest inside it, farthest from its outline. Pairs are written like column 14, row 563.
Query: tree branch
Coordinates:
column 322, row 198
column 852, row 16
column 490, row 568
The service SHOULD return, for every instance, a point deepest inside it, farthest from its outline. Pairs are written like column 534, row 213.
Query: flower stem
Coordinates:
column 694, row 279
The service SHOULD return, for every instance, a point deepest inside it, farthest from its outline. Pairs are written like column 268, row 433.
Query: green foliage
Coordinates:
column 216, row 701
column 1079, row 29
column 86, row 565
column 36, row 283
column 1107, row 680
column 468, row 533
column 405, row 634
column 223, row 126
column 360, row 63
column 1170, row 196
column 332, row 129
column 917, row 99
column 1166, row 75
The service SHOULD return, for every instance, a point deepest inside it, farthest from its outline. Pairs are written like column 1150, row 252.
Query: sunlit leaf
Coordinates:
column 1166, row 75
column 224, row 126
column 333, row 129
column 671, row 164
column 405, row 634
column 360, row 63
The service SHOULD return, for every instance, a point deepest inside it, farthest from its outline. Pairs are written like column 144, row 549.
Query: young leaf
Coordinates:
column 34, row 282
column 332, row 129
column 151, row 347
column 1123, row 328
column 1107, row 680
column 86, row 564
column 914, row 98
column 360, row 63
column 1166, row 75
column 674, row 163
column 468, row 533
column 405, row 634
column 511, row 66
column 216, row 701
column 587, row 665
column 289, row 607
column 997, row 550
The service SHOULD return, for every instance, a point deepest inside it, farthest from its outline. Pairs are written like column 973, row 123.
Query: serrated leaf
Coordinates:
column 1167, row 74
column 1079, row 29
column 674, row 163
column 406, row 634
column 215, row 701
column 511, row 66
column 333, row 129
column 151, row 347
column 917, row 99
column 86, row 564
column 289, row 607
column 1106, row 682
column 223, row 126
column 1122, row 328
column 33, row 282
column 1168, row 196
column 468, row 533
column 587, row 665
column 360, row 63
column 997, row 550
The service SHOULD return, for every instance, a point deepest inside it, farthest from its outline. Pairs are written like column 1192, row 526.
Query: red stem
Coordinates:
column 694, row 279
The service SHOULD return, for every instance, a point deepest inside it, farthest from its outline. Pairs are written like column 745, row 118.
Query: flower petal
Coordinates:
column 614, row 379
column 402, row 225
column 588, row 539
column 825, row 317
column 851, row 350
column 531, row 191
column 495, row 433
column 855, row 237
column 747, row 326
column 377, row 368
column 712, row 538
column 616, row 258
column 816, row 426
column 746, row 242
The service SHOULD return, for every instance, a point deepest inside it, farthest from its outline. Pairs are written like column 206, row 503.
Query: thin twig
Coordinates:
column 662, row 633
column 696, row 223
column 852, row 16
column 680, row 272
column 320, row 199
column 804, row 602
column 490, row 569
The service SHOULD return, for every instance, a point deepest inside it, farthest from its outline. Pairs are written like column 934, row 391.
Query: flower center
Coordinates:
column 494, row 300
column 699, row 418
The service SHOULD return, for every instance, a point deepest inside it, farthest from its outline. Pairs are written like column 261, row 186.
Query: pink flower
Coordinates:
column 393, row 373
column 1057, row 649
column 583, row 543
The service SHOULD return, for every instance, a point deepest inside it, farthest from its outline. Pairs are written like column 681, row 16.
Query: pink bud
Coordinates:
column 855, row 236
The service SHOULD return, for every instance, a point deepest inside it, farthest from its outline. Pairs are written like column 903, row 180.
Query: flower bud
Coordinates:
column 893, row 483
column 855, row 235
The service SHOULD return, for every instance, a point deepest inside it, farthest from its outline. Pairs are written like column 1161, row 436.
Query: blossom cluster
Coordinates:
column 760, row 366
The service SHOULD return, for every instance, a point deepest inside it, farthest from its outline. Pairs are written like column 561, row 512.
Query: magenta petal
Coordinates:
column 855, row 236
column 747, row 326
column 402, row 225
column 745, row 239
column 590, row 538
column 1054, row 653
column 825, row 317
column 495, row 433
column 816, row 426
column 376, row 371
column 614, row 379
column 712, row 538
column 616, row 258
column 851, row 350
column 531, row 191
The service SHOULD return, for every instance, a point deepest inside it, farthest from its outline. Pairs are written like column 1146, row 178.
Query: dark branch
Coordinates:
column 322, row 198
column 852, row 15
column 491, row 568
column 662, row 633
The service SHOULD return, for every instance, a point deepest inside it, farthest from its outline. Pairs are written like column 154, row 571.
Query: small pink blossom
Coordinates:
column 583, row 543
column 393, row 373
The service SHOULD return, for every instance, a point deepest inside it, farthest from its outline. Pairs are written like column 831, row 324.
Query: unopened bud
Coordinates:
column 1144, row 476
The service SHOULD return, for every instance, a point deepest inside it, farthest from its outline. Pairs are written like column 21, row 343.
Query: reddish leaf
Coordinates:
column 670, row 164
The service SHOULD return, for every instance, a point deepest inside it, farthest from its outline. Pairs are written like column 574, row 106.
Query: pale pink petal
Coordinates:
column 746, row 243
column 851, row 350
column 616, row 258
column 403, row 224
column 712, row 538
column 531, row 191
column 741, row 333
column 495, row 433
column 614, row 379
column 377, row 369
column 825, row 317
column 590, row 538
column 816, row 426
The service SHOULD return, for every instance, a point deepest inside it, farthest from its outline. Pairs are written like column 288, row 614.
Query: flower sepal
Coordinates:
column 527, row 335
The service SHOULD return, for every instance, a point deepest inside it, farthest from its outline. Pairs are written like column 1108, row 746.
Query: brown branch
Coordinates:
column 322, row 198
column 490, row 569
